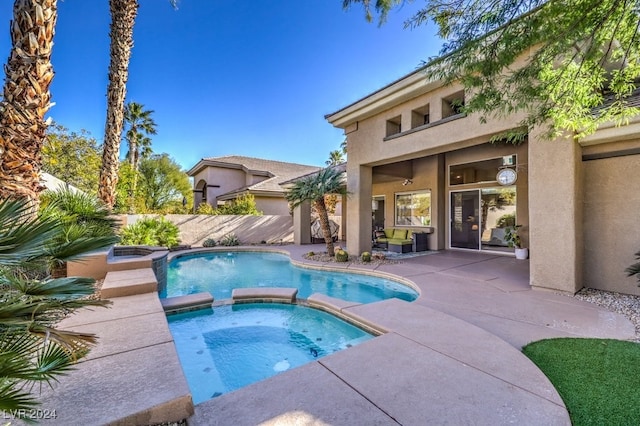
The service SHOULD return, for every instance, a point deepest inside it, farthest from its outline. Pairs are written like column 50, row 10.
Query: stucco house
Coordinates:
column 416, row 162
column 217, row 180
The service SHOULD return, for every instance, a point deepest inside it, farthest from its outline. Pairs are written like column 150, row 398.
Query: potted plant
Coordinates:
column 513, row 240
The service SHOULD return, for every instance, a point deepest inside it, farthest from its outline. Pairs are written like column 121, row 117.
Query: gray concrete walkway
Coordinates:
column 451, row 357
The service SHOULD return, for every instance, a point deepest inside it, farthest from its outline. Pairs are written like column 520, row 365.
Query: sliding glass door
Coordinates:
column 479, row 218
column 465, row 225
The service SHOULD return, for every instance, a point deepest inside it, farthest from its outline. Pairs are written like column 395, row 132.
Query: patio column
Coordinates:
column 359, row 180
column 343, row 219
column 302, row 224
column 555, row 213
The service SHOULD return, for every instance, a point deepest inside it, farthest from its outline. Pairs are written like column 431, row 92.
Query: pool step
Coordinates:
column 264, row 294
column 128, row 283
column 187, row 302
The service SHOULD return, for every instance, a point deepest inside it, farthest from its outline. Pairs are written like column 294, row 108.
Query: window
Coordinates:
column 413, row 208
column 479, row 171
column 452, row 105
column 394, row 126
column 420, row 116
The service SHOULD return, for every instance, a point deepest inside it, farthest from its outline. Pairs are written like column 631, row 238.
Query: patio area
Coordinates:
column 452, row 356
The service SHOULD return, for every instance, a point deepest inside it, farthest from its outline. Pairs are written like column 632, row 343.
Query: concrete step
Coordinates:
column 264, row 294
column 128, row 283
column 187, row 302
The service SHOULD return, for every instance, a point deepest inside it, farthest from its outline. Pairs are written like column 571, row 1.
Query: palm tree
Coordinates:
column 313, row 188
column 139, row 123
column 123, row 17
column 32, row 349
column 26, row 98
column 335, row 157
column 343, row 147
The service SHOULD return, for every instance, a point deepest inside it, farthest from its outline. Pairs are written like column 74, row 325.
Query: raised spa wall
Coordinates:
column 122, row 258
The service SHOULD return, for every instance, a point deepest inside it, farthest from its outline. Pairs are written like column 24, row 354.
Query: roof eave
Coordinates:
column 387, row 97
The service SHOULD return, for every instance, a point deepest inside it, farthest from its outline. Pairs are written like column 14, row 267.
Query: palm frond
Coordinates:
column 315, row 186
column 22, row 237
column 634, row 269
column 58, row 360
column 71, row 250
column 59, row 288
column 15, row 400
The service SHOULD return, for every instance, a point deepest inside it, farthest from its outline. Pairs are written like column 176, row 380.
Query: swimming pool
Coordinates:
column 232, row 346
column 220, row 272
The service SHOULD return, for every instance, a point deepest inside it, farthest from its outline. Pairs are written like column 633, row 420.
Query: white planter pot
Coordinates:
column 522, row 253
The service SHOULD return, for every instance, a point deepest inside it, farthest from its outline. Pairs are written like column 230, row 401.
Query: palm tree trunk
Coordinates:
column 123, row 16
column 26, row 98
column 133, row 161
column 133, row 150
column 323, row 216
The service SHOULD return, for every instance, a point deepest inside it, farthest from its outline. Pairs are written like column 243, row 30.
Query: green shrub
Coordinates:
column 229, row 240
column 341, row 255
column 209, row 242
column 205, row 208
column 366, row 256
column 78, row 210
column 151, row 232
column 243, row 205
column 86, row 225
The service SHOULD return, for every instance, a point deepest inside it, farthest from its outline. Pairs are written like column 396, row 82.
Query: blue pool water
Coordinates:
column 232, row 346
column 220, row 272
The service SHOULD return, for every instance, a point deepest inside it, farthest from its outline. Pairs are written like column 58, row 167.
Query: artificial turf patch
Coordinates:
column 598, row 379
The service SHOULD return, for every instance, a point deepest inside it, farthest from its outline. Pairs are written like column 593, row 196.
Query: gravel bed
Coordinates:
column 376, row 259
column 624, row 304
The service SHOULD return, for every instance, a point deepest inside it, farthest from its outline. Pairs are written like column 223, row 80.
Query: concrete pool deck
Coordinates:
column 452, row 356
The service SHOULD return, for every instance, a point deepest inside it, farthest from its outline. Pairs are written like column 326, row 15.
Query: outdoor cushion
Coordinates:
column 400, row 234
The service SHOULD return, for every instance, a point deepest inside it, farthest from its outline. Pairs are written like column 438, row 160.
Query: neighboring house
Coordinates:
column 416, row 162
column 52, row 183
column 221, row 179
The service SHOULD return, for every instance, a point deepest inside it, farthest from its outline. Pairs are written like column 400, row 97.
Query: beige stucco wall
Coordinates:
column 367, row 144
column 358, row 208
column 611, row 217
column 194, row 229
column 272, row 205
column 555, row 212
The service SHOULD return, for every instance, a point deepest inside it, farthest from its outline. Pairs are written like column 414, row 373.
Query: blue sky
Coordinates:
column 231, row 77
